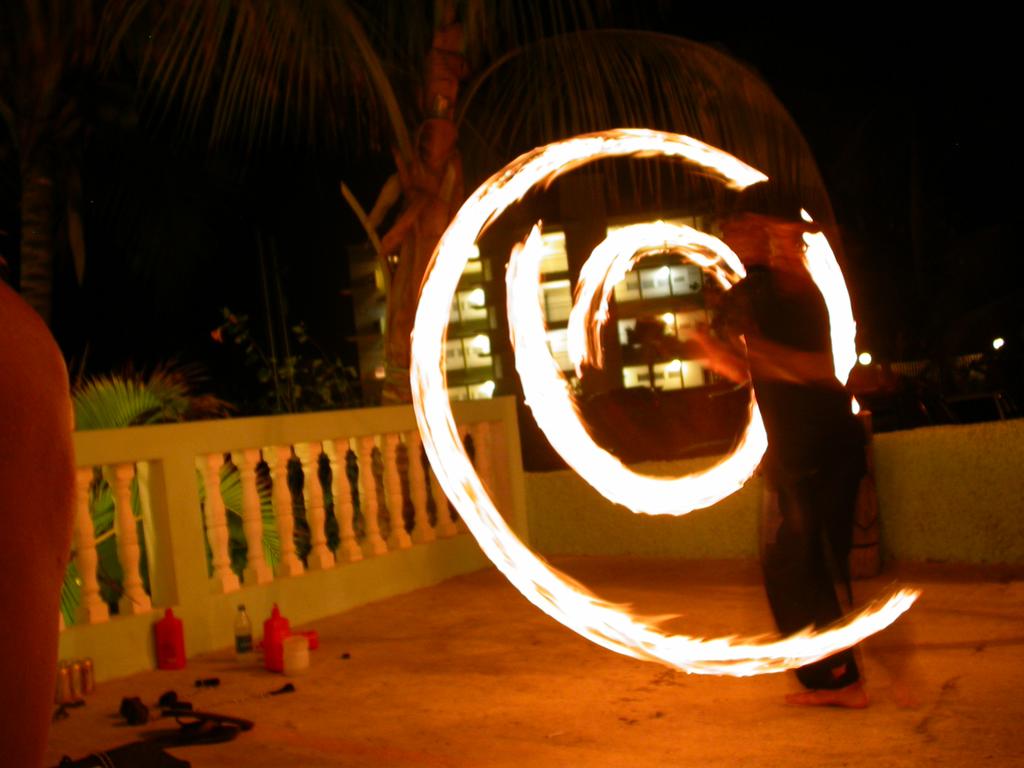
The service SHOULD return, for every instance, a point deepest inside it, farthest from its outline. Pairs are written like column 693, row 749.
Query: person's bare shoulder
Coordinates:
column 32, row 370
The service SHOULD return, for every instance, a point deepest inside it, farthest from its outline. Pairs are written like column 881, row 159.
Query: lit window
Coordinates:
column 557, row 300
column 625, row 328
column 635, row 376
column 481, row 391
column 478, row 351
column 458, row 393
column 629, row 288
column 468, row 306
column 553, row 258
column 692, row 373
column 685, row 279
column 655, row 283
column 667, row 375
column 686, row 322
column 454, row 356
column 558, row 343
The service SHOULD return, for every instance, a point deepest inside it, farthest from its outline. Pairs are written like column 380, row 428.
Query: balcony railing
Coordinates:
column 316, row 512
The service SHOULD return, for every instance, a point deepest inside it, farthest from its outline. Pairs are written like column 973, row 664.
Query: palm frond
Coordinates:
column 493, row 27
column 70, row 594
column 597, row 79
column 109, row 402
column 131, row 399
column 301, row 69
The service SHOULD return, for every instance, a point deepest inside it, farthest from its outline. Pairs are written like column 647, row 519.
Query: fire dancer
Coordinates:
column 772, row 328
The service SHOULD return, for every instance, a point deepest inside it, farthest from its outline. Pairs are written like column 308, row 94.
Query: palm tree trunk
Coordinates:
column 432, row 187
column 37, row 238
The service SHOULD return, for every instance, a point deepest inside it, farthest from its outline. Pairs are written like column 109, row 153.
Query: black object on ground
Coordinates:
column 170, row 700
column 134, row 711
column 286, row 688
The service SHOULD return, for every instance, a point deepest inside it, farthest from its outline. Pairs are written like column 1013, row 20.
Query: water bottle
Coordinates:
column 243, row 635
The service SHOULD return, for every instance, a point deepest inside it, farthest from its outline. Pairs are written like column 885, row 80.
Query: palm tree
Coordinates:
column 437, row 81
column 46, row 47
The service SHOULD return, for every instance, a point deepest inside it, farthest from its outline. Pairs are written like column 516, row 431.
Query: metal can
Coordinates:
column 65, row 693
column 75, row 667
column 88, row 678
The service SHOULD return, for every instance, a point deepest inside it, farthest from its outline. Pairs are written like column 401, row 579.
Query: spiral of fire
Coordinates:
column 549, row 397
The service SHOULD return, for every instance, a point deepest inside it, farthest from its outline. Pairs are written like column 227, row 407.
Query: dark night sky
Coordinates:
column 909, row 122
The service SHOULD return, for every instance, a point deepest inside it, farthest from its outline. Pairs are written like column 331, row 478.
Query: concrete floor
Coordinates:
column 468, row 673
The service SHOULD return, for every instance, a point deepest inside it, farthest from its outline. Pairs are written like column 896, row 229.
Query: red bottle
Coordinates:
column 275, row 630
column 170, row 642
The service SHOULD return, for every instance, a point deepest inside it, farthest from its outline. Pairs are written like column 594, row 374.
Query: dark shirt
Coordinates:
column 809, row 424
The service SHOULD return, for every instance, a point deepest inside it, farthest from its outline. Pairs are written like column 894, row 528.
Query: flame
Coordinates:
column 604, row 623
column 548, row 394
column 824, row 270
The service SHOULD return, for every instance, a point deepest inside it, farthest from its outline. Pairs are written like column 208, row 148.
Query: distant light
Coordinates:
column 668, row 318
column 805, row 215
column 378, row 372
column 674, row 366
column 487, row 389
column 998, row 342
column 475, row 252
column 477, row 298
column 664, row 272
column 864, row 358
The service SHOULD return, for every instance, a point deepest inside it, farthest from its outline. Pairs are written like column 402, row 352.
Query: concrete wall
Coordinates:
column 948, row 494
column 953, row 494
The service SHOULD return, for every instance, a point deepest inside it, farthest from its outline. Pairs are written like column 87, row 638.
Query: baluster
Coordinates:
column 223, row 579
column 445, row 525
column 320, row 556
column 341, row 488
column 499, row 467
column 467, row 436
column 134, row 599
column 399, row 537
column 92, row 609
column 373, row 544
column 422, row 533
column 289, row 564
column 481, row 433
column 256, row 569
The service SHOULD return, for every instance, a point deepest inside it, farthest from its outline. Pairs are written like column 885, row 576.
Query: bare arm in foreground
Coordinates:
column 36, row 509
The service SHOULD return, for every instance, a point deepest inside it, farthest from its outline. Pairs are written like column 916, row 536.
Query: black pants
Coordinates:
column 813, row 525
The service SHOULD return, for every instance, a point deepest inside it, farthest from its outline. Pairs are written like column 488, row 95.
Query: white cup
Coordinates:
column 296, row 655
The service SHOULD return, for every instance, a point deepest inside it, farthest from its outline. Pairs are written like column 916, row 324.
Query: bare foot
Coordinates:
column 851, row 697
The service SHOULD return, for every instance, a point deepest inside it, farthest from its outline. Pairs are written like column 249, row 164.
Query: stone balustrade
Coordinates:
column 316, row 512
